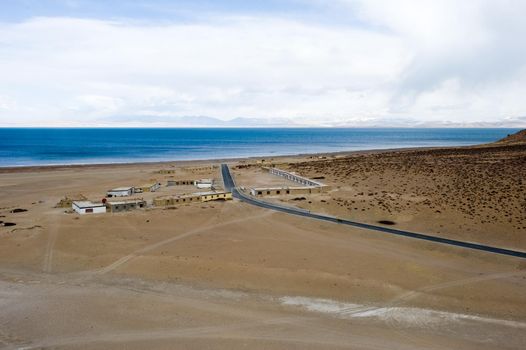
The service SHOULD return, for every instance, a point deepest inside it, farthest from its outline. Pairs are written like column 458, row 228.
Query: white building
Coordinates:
column 120, row 192
column 204, row 183
column 87, row 207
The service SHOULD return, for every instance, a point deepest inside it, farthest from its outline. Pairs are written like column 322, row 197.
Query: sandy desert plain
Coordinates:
column 225, row 275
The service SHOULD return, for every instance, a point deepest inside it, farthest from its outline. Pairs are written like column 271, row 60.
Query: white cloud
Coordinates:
column 430, row 60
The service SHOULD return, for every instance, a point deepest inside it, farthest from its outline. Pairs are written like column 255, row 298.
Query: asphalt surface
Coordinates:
column 230, row 185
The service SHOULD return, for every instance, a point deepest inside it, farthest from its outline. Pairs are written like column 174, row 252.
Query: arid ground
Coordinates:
column 227, row 275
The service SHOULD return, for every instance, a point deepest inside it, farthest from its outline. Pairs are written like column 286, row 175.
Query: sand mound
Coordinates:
column 518, row 137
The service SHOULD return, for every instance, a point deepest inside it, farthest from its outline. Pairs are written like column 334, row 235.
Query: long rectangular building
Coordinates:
column 277, row 191
column 295, row 177
column 198, row 197
column 125, row 205
column 180, row 182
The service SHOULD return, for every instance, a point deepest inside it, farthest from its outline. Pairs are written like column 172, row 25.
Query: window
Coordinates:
column 277, row 192
column 259, row 192
column 268, row 192
column 89, row 210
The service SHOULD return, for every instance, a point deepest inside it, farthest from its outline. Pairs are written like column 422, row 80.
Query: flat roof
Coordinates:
column 87, row 204
column 118, row 189
column 210, row 193
column 282, row 188
column 190, row 195
column 296, row 175
column 126, row 202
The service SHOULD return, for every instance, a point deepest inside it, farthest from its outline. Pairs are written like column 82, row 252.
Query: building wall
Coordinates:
column 170, row 201
column 180, row 182
column 217, row 196
column 293, row 177
column 262, row 192
column 115, row 208
column 94, row 210
column 203, row 185
column 119, row 193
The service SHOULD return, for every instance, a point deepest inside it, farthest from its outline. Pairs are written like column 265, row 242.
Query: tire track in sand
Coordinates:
column 54, row 225
column 125, row 259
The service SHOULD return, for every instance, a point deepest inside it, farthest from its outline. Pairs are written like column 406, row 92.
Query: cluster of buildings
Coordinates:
column 306, row 185
column 128, row 191
column 124, row 203
column 121, row 200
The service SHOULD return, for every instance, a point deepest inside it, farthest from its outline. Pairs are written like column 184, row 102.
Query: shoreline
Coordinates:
column 23, row 168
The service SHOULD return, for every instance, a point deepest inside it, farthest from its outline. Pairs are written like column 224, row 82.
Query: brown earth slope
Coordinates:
column 473, row 193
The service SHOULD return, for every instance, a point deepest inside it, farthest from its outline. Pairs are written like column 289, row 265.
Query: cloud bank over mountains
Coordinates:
column 350, row 63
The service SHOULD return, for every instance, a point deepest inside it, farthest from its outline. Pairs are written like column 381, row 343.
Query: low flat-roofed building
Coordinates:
column 120, row 192
column 87, row 207
column 213, row 196
column 294, row 177
column 192, row 198
column 277, row 191
column 182, row 199
column 204, row 183
column 126, row 205
column 167, row 171
column 180, row 182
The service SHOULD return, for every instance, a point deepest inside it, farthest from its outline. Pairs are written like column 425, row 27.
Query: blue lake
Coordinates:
column 49, row 146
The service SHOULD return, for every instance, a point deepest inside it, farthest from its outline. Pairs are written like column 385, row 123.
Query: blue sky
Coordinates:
column 155, row 10
column 300, row 62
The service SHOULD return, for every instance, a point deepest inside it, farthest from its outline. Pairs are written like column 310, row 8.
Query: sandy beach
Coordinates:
column 225, row 275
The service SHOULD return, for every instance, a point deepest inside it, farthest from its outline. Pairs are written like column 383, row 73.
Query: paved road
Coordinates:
column 230, row 185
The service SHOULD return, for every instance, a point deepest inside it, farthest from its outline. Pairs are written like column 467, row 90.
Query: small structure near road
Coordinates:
column 309, row 185
column 276, row 191
column 295, row 177
column 87, row 207
column 214, row 196
column 120, row 192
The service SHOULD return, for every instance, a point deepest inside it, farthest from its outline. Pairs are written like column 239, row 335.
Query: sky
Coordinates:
column 288, row 62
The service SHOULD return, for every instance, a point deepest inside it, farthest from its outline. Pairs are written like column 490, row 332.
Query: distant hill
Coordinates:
column 518, row 137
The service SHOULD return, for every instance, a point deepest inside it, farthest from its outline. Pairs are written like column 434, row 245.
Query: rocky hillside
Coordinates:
column 518, row 137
